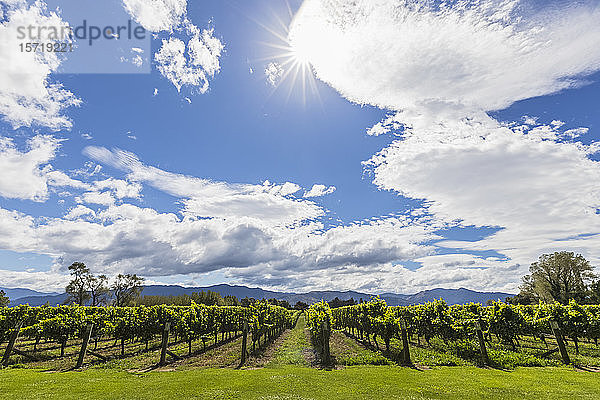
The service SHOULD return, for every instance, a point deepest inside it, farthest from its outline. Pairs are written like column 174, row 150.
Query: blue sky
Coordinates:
column 447, row 155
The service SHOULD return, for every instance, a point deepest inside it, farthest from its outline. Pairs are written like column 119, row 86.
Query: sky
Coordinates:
column 379, row 146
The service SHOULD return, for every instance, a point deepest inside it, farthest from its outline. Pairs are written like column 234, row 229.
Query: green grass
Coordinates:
column 347, row 351
column 291, row 382
column 294, row 347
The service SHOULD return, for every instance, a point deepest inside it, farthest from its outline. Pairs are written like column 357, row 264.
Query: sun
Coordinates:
column 300, row 50
column 292, row 55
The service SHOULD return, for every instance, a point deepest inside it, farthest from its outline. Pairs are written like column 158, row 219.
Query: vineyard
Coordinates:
column 266, row 351
column 434, row 333
column 500, row 334
column 48, row 332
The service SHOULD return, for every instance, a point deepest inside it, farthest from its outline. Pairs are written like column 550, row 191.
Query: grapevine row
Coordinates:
column 451, row 322
column 62, row 323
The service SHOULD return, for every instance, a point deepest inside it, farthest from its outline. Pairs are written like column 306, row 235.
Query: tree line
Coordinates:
column 88, row 289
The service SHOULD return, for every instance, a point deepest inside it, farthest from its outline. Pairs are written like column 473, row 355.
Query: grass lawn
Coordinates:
column 293, row 382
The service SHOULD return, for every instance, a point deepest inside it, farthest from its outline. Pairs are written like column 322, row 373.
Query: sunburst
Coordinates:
column 293, row 56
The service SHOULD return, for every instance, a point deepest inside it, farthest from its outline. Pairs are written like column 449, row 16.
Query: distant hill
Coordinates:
column 451, row 296
column 18, row 293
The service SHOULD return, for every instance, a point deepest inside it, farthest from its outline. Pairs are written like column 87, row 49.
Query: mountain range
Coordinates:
column 451, row 296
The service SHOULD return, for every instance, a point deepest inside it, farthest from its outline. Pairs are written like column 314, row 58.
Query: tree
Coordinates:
column 560, row 276
column 247, row 301
column 520, row 298
column 4, row 300
column 98, row 289
column 77, row 289
column 595, row 292
column 336, row 303
column 127, row 288
column 231, row 301
column 300, row 305
column 280, row 303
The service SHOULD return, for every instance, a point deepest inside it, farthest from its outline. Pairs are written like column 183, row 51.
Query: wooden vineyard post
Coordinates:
column 559, row 339
column 164, row 344
column 405, row 348
column 86, row 340
column 244, row 341
column 326, row 335
column 482, row 349
column 11, row 343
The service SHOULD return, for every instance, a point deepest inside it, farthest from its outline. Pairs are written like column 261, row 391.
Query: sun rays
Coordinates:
column 290, row 58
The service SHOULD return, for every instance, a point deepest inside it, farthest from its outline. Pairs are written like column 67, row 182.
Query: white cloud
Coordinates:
column 157, row 15
column 25, row 174
column 60, row 179
column 49, row 281
column 192, row 59
column 103, row 198
column 141, row 240
column 274, row 73
column 193, row 63
column 543, row 192
column 575, row 133
column 121, row 189
column 205, row 198
column 79, row 211
column 231, row 227
column 28, row 95
column 450, row 55
column 439, row 67
column 319, row 190
column 478, row 273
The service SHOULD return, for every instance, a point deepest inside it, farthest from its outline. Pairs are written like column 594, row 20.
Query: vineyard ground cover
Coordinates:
column 294, row 347
column 347, row 351
column 293, row 382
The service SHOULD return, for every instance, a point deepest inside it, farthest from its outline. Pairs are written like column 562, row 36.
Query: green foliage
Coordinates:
column 451, row 323
column 208, row 298
column 77, row 287
column 126, row 289
column 4, row 301
column 140, row 323
column 560, row 276
column 320, row 321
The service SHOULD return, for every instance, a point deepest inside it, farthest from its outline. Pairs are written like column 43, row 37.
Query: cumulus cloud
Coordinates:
column 448, row 271
column 189, row 56
column 193, row 63
column 102, row 198
column 39, row 280
column 25, row 174
column 236, row 228
column 319, row 190
column 157, row 15
column 543, row 191
column 120, row 188
column 141, row 240
column 28, row 94
column 447, row 55
column 79, row 211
